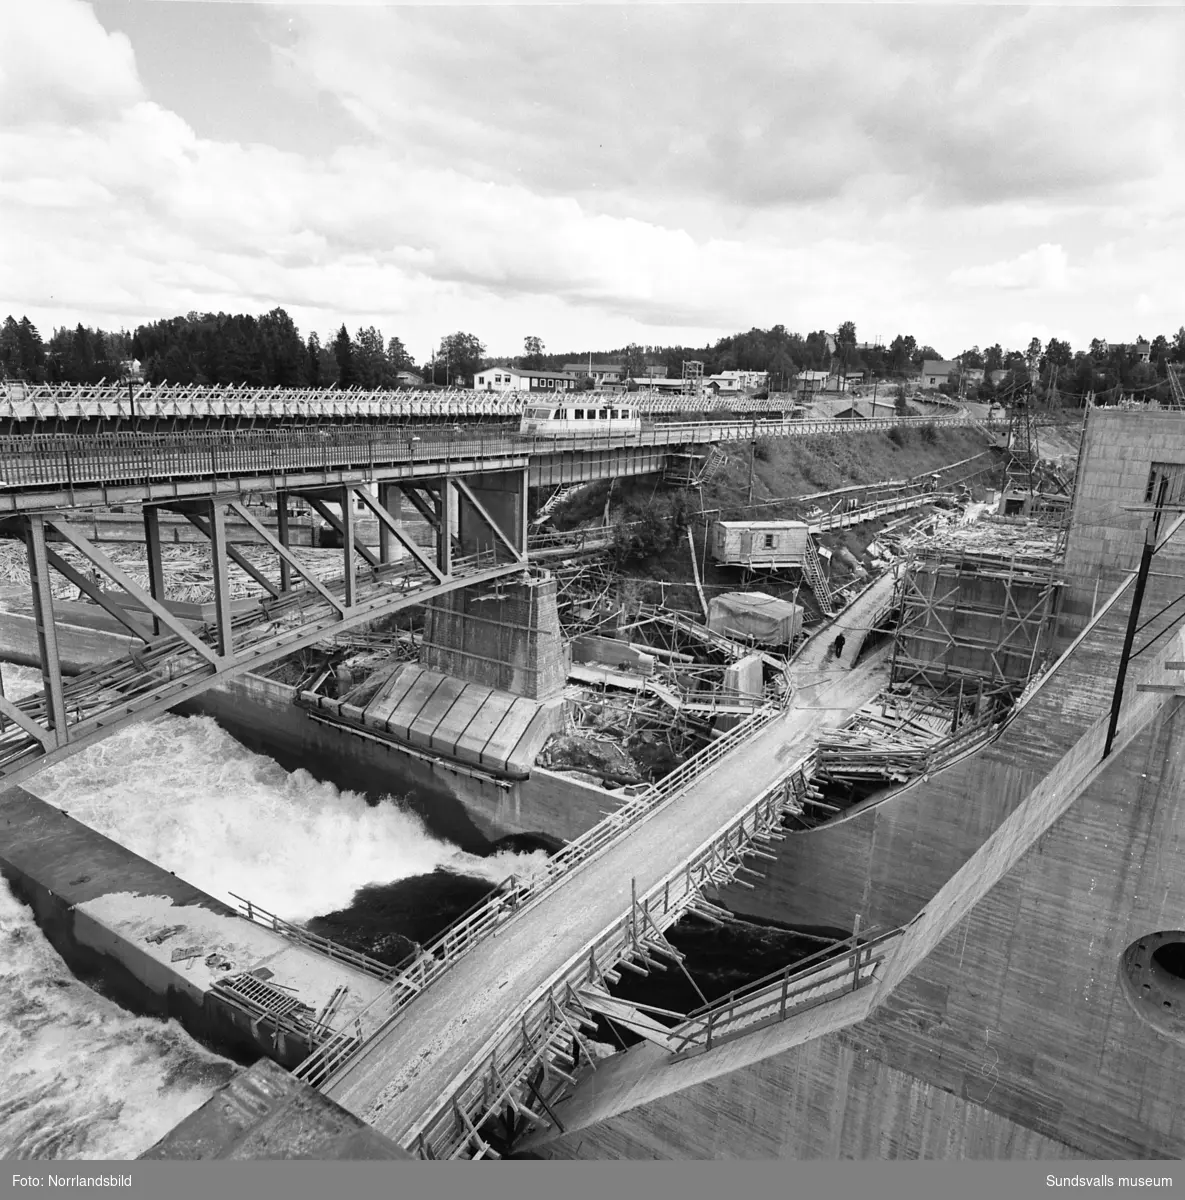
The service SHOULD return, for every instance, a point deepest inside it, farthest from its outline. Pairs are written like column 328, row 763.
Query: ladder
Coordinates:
column 554, row 501
column 812, row 570
column 1175, row 385
column 715, row 461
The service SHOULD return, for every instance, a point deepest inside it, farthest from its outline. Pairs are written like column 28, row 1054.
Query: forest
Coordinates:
column 269, row 351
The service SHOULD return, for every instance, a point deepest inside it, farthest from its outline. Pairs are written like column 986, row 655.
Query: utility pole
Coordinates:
column 752, row 457
column 1129, row 636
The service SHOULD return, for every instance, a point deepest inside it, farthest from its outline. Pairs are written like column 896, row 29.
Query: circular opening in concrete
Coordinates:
column 1170, row 958
column 1153, row 973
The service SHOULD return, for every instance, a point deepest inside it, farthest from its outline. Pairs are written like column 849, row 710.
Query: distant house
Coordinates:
column 512, row 379
column 599, row 373
column 810, row 382
column 408, row 379
column 935, row 374
column 760, row 543
column 725, row 381
column 971, row 374
column 739, row 381
column 658, row 384
column 1142, row 350
column 842, row 409
column 839, row 382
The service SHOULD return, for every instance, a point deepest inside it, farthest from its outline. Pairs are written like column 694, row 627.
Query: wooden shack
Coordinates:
column 770, row 544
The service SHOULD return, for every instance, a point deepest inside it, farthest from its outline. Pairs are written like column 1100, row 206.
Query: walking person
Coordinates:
column 839, row 645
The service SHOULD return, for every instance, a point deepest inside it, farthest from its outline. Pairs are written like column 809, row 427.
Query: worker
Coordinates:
column 839, row 644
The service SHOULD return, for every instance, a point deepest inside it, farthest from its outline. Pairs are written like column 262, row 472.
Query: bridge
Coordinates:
column 470, row 485
column 435, row 1068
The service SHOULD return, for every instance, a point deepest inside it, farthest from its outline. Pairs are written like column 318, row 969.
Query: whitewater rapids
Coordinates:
column 81, row 1078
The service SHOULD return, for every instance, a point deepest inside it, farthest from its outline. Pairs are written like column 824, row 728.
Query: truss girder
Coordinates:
column 188, row 656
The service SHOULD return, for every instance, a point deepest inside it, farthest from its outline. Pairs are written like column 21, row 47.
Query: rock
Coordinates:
column 603, row 760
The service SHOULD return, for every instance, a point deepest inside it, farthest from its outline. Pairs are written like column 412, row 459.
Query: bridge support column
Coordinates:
column 504, row 635
column 346, row 500
column 216, row 515
column 156, row 568
column 283, row 537
column 47, row 641
column 445, row 515
column 391, row 501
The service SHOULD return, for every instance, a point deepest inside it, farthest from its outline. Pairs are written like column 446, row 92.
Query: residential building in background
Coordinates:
column 599, row 373
column 935, row 374
column 513, row 379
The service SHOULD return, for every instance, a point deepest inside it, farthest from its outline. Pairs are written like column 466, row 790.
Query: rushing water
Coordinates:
column 79, row 1076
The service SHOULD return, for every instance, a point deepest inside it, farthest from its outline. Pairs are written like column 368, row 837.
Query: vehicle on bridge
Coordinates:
column 580, row 419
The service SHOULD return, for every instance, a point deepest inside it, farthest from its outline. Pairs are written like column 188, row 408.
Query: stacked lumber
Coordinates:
column 896, row 738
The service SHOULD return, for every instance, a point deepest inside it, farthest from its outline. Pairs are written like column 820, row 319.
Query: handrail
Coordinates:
column 304, row 937
column 712, row 865
column 77, row 460
column 848, row 960
column 437, row 956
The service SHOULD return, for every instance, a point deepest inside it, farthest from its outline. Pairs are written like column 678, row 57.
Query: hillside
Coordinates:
column 783, row 471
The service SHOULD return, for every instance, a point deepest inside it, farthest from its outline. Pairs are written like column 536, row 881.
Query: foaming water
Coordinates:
column 181, row 792
column 79, row 1077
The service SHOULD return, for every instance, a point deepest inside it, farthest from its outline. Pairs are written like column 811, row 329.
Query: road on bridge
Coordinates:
column 407, row 1074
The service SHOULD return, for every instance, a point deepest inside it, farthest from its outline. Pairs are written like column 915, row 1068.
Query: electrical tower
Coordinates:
column 693, row 378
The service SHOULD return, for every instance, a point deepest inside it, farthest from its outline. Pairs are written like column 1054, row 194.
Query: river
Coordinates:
column 80, row 1077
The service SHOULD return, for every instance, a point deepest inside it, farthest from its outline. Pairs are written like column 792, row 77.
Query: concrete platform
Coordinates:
column 266, row 1113
column 467, row 722
column 115, row 916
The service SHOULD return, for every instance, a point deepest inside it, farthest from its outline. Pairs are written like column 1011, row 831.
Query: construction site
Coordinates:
column 933, row 640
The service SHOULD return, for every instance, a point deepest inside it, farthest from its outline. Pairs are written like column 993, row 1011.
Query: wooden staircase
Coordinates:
column 812, row 572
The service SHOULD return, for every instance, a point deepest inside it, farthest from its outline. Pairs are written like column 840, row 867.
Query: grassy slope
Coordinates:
column 794, row 467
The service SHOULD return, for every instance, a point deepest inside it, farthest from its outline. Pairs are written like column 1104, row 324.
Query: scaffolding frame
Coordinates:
column 1022, row 622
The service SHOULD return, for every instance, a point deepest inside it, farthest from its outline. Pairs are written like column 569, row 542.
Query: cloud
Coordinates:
column 1045, row 268
column 604, row 174
column 59, row 65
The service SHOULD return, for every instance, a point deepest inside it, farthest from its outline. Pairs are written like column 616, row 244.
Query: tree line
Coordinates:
column 205, row 348
column 269, row 351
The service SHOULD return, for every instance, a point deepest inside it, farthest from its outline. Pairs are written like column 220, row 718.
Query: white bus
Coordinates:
column 575, row 419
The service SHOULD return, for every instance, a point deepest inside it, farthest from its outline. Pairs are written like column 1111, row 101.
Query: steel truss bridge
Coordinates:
column 206, row 474
column 40, row 471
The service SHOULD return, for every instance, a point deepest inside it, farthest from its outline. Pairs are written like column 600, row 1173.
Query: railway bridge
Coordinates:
column 471, row 485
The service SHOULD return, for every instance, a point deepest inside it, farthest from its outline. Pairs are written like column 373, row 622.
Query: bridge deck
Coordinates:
column 405, row 1075
column 42, row 471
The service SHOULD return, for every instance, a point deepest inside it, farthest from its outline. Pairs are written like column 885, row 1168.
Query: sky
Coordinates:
column 597, row 174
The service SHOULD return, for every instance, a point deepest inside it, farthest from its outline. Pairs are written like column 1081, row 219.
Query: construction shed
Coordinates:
column 755, row 616
column 760, row 543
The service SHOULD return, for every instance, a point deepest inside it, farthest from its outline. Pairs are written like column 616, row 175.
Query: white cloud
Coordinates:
column 601, row 175
column 1046, row 268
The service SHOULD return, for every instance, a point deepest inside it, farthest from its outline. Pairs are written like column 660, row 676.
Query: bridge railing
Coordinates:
column 422, row 968
column 524, row 1047
column 35, row 460
column 304, row 937
column 845, row 966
